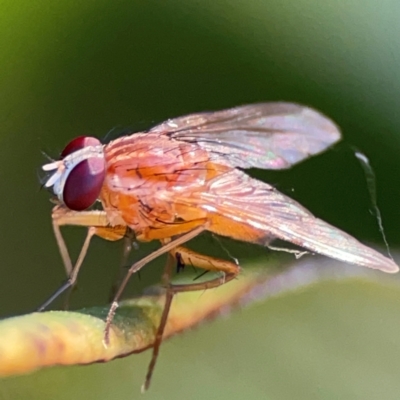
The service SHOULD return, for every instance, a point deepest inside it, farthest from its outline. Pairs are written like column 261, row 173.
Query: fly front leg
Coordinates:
column 98, row 220
column 97, row 225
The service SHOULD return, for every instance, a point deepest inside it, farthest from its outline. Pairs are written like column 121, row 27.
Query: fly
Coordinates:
column 185, row 176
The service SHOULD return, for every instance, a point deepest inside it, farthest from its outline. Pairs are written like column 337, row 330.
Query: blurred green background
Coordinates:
column 69, row 68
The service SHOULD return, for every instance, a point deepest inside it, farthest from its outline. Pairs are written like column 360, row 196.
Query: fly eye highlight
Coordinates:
column 79, row 174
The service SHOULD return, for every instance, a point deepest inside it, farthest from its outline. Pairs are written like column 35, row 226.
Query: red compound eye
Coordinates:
column 83, row 184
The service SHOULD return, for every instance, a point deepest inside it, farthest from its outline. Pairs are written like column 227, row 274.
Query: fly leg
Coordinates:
column 128, row 241
column 69, row 285
column 97, row 224
column 228, row 269
column 169, row 295
column 168, row 246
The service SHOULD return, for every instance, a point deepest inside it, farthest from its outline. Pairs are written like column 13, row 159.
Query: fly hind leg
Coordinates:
column 183, row 255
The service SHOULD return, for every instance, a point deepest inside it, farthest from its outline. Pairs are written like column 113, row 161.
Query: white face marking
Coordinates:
column 66, row 165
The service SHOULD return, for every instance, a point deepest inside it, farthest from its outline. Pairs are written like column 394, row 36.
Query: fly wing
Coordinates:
column 264, row 135
column 250, row 202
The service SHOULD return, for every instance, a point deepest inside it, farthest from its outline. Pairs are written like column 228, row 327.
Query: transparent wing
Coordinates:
column 264, row 135
column 248, row 202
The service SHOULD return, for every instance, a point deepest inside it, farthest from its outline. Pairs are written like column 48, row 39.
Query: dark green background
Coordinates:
column 69, row 68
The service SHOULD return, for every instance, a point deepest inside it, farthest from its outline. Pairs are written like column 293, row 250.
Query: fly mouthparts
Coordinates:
column 56, row 165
